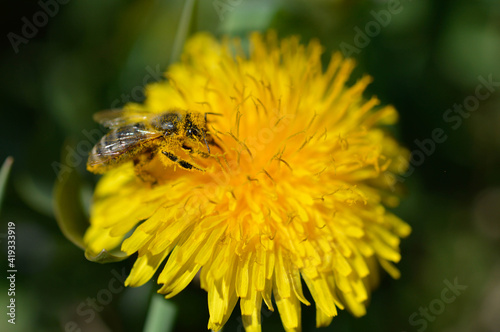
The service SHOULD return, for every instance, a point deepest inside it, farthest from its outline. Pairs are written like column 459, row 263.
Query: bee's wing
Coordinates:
column 120, row 141
column 115, row 118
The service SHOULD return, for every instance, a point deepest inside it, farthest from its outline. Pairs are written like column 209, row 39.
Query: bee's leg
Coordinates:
column 182, row 163
column 187, row 148
column 214, row 143
column 190, row 150
column 140, row 171
column 211, row 142
column 202, row 154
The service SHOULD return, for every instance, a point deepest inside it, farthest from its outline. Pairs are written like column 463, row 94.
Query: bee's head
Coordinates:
column 195, row 131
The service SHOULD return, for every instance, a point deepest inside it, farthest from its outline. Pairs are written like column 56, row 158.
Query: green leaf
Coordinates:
column 161, row 315
column 4, row 176
column 35, row 192
column 244, row 17
column 187, row 26
column 68, row 208
column 106, row 256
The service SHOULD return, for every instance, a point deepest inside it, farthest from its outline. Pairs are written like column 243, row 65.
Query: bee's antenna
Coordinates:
column 205, row 139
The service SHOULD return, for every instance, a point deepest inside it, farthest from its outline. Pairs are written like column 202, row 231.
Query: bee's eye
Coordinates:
column 193, row 131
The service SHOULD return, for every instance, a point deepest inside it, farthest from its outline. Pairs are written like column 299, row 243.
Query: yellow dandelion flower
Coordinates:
column 297, row 190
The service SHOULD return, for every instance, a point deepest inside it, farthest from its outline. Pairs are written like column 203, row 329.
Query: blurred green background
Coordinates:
column 425, row 56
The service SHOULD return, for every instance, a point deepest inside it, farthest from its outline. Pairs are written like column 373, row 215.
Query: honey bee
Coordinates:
column 139, row 136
